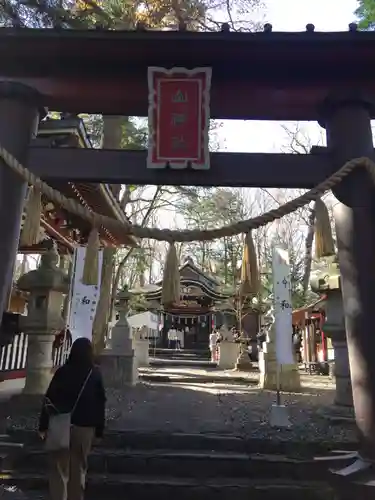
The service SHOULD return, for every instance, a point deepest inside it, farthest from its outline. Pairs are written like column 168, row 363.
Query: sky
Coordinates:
column 287, row 15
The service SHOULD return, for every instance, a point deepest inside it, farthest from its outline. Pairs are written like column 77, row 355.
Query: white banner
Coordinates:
column 282, row 306
column 84, row 298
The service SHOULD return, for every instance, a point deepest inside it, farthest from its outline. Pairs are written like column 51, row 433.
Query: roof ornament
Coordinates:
column 267, row 28
column 310, row 28
column 189, row 260
column 182, row 26
column 141, row 26
column 225, row 28
column 353, row 27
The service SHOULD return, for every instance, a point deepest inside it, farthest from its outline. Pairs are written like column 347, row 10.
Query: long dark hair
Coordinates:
column 81, row 353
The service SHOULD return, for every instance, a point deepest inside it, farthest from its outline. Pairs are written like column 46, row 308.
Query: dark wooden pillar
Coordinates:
column 18, row 121
column 349, row 136
column 164, row 332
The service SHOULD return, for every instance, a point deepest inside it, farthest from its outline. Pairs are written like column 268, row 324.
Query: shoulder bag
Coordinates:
column 58, row 434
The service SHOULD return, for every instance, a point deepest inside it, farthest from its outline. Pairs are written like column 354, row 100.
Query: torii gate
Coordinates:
column 326, row 77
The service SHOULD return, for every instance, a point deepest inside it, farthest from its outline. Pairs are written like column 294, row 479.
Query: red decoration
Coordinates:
column 179, row 117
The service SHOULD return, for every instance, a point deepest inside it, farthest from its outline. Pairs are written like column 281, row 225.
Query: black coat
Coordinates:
column 63, row 391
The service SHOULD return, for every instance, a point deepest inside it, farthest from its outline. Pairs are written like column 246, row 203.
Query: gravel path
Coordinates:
column 220, row 407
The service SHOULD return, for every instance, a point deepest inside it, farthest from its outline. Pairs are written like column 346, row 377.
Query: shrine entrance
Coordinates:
column 243, row 76
column 195, row 314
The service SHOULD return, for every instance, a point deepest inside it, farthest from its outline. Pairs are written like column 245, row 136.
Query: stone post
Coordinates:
column 243, row 362
column 18, row 124
column 228, row 350
column 289, row 374
column 117, row 360
column 141, row 348
column 46, row 287
column 327, row 280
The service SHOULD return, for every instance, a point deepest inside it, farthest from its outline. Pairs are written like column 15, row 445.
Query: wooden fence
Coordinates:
column 13, row 357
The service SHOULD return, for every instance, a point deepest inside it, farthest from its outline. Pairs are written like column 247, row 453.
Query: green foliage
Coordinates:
column 134, row 132
column 366, row 14
column 210, row 208
column 125, row 14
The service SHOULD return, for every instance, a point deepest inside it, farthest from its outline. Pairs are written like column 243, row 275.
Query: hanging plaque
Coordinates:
column 179, row 117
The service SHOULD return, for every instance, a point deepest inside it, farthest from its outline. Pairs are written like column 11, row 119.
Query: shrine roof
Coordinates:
column 155, row 293
column 278, row 75
column 299, row 315
column 96, row 196
column 188, row 265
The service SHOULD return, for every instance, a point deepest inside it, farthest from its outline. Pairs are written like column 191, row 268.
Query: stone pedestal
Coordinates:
column 243, row 362
column 46, row 287
column 141, row 352
column 117, row 361
column 228, row 354
column 327, row 281
column 289, row 374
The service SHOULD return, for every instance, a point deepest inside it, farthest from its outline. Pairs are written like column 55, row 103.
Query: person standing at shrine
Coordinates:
column 171, row 337
column 213, row 346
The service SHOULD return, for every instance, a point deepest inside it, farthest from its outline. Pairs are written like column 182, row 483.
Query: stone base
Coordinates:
column 228, row 354
column 141, row 352
column 339, row 414
column 289, row 378
column 26, row 403
column 118, row 370
column 20, row 405
column 243, row 363
column 38, row 380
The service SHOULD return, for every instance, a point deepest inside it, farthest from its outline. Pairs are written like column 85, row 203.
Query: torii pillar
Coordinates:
column 18, row 123
column 347, row 122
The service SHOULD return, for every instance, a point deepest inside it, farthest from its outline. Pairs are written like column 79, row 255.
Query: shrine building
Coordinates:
column 196, row 314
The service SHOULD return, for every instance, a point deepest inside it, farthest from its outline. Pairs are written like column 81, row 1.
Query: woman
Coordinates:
column 68, row 467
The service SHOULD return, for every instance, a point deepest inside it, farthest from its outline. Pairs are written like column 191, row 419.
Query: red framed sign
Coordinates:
column 179, row 117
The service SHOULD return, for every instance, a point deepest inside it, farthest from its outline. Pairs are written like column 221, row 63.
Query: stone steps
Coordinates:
column 188, row 464
column 107, row 486
column 146, row 465
column 143, row 440
column 186, row 363
column 209, row 378
column 186, row 354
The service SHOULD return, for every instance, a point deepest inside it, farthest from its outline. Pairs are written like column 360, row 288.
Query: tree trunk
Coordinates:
column 121, row 266
column 308, row 253
column 111, row 139
column 101, row 319
column 225, row 260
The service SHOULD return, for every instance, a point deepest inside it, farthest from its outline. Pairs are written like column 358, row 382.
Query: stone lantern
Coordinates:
column 46, row 287
column 327, row 280
column 228, row 349
column 117, row 360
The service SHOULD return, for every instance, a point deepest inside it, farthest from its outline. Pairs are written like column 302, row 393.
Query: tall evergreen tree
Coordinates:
column 366, row 14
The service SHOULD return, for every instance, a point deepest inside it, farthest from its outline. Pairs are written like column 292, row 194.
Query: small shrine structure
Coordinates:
column 196, row 313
